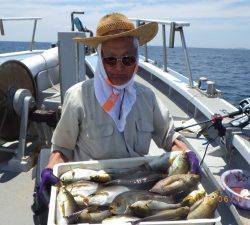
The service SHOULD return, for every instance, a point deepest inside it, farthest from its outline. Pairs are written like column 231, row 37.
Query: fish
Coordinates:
column 157, row 164
column 169, row 214
column 121, row 203
column 161, row 163
column 66, row 205
column 144, row 182
column 81, row 201
column 145, row 208
column 78, row 174
column 205, row 207
column 193, row 197
column 133, row 172
column 89, row 215
column 120, row 219
column 180, row 165
column 83, row 187
column 106, row 195
column 94, row 217
column 175, row 184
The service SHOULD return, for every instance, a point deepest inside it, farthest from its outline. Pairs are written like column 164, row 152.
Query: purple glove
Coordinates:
column 48, row 179
column 193, row 161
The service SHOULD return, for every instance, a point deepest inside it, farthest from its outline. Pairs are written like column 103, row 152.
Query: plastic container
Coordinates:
column 234, row 181
column 114, row 163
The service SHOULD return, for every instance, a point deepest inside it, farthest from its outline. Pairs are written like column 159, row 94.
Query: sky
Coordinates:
column 213, row 23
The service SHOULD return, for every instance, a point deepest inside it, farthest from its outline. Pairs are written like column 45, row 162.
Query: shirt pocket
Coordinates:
column 144, row 135
column 99, row 131
column 98, row 139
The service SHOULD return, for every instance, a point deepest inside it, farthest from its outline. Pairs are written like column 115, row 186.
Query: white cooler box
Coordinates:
column 113, row 163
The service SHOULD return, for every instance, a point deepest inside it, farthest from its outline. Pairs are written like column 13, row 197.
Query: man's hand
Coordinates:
column 48, row 179
column 179, row 146
column 193, row 162
column 192, row 158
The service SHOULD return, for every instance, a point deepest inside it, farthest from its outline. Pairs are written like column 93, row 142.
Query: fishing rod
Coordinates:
column 216, row 120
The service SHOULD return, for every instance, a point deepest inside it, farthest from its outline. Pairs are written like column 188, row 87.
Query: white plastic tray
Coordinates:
column 114, row 163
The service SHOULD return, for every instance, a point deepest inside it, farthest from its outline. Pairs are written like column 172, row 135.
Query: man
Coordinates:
column 111, row 116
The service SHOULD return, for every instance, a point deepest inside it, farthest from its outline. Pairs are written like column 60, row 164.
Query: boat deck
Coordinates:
column 17, row 189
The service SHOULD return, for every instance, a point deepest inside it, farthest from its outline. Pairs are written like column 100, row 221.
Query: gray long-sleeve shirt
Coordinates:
column 85, row 131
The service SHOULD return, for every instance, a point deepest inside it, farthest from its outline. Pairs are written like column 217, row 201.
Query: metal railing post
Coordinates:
column 146, row 52
column 189, row 74
column 145, row 49
column 72, row 21
column 33, row 36
column 164, row 48
column 171, row 35
column 137, row 22
column 1, row 27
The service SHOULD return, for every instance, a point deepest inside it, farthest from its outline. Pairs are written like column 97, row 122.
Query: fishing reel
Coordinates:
column 244, row 108
column 216, row 119
column 239, row 122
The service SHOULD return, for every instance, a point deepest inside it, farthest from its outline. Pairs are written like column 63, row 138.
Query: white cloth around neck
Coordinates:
column 105, row 91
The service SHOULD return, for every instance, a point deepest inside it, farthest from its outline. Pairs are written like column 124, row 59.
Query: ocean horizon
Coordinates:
column 41, row 43
column 229, row 68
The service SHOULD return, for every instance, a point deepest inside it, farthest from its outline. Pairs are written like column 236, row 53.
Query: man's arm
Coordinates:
column 179, row 145
column 55, row 158
column 66, row 132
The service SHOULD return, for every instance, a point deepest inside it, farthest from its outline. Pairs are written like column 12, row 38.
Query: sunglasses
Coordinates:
column 126, row 60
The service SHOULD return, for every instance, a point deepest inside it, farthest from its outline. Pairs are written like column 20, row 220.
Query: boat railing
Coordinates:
column 35, row 19
column 174, row 26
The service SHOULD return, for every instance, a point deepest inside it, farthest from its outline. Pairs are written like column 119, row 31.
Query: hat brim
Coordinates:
column 144, row 33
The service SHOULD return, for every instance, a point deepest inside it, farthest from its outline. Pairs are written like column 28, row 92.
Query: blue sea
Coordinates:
column 229, row 68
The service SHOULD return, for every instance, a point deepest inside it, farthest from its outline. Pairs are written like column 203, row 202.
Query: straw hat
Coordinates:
column 116, row 25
